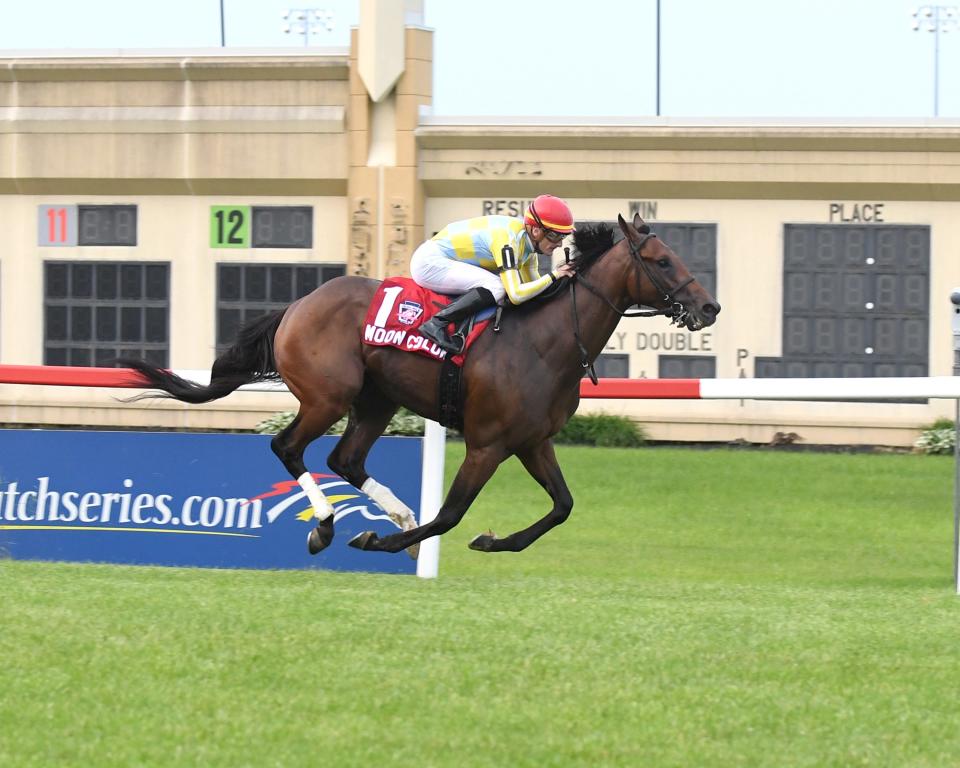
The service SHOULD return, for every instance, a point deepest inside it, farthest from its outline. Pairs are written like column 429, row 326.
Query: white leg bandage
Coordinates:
column 322, row 508
column 399, row 512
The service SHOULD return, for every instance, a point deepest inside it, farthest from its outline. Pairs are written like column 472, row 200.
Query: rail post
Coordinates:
column 955, row 321
column 431, row 496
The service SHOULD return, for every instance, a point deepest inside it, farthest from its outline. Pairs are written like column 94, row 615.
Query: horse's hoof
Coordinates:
column 483, row 542
column 408, row 523
column 320, row 537
column 363, row 540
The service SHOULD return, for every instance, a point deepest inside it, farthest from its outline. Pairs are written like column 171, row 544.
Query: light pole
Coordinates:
column 304, row 21
column 658, row 58
column 935, row 19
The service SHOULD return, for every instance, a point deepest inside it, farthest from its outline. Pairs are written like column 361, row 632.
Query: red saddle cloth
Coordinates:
column 399, row 307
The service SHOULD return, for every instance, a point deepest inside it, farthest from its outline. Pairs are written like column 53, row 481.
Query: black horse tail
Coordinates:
column 249, row 359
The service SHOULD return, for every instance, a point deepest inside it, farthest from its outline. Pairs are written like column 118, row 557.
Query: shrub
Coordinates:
column 599, row 429
column 937, row 439
column 404, row 422
column 603, row 430
column 275, row 423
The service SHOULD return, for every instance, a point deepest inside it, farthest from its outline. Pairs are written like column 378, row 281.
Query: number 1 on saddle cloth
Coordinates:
column 400, row 306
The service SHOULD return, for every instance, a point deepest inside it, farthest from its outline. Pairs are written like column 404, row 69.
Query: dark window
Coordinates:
column 687, row 367
column 106, row 283
column 247, row 291
column 58, row 281
column 81, row 281
column 855, row 302
column 156, row 281
column 307, row 279
column 610, row 366
column 56, row 322
column 95, row 312
column 281, row 285
column 255, row 283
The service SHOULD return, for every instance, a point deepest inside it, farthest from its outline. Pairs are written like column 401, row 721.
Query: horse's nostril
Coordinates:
column 711, row 309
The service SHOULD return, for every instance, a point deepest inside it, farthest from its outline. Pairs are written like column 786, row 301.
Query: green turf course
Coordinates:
column 700, row 608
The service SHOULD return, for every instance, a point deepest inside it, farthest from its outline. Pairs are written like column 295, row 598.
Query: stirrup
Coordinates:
column 459, row 341
column 450, row 344
column 442, row 339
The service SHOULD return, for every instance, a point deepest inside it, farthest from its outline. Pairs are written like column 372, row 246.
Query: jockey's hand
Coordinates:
column 565, row 270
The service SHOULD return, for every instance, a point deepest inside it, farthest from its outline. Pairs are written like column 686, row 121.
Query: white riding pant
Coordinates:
column 430, row 268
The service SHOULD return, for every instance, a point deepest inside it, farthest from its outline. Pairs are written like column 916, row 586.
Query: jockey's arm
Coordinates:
column 522, row 281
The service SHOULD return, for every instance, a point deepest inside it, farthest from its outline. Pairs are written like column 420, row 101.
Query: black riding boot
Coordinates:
column 469, row 303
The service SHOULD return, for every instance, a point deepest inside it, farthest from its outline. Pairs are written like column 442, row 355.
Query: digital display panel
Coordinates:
column 261, row 226
column 855, row 302
column 282, row 226
column 107, row 225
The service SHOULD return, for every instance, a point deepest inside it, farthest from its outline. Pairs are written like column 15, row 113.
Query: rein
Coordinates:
column 676, row 311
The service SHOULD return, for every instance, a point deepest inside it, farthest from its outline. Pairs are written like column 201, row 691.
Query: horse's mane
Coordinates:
column 591, row 242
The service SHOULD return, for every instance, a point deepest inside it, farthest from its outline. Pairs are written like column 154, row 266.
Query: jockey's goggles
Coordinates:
column 552, row 235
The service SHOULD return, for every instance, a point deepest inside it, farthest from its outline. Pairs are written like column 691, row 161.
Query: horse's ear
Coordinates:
column 624, row 227
column 641, row 226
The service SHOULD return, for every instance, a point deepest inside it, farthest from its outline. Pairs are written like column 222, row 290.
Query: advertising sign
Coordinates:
column 204, row 500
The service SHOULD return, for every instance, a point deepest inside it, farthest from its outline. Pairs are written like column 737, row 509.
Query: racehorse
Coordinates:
column 520, row 385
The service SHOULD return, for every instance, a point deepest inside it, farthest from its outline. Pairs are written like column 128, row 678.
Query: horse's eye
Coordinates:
column 664, row 263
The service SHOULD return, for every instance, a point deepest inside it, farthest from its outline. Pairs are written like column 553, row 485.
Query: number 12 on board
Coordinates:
column 230, row 226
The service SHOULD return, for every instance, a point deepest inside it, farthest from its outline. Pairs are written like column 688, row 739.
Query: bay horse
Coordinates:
column 520, row 385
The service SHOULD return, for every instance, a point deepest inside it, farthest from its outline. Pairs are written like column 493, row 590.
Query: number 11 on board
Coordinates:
column 56, row 225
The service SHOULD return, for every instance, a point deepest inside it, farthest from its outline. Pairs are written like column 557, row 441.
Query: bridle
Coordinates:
column 675, row 310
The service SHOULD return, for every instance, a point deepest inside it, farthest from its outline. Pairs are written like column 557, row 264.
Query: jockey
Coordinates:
column 490, row 259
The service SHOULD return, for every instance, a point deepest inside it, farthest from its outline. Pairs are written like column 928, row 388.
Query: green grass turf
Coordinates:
column 699, row 608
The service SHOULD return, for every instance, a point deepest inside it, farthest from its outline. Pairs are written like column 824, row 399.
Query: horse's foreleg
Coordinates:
column 478, row 466
column 541, row 463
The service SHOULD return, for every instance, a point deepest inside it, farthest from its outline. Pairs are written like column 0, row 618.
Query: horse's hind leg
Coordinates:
column 289, row 445
column 541, row 463
column 369, row 416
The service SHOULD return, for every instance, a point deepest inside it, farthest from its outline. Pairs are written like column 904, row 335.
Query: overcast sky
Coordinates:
column 719, row 58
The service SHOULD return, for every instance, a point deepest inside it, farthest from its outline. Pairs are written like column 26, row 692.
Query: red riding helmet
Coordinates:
column 549, row 212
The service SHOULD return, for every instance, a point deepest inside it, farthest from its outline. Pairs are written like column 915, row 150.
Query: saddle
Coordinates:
column 400, row 307
column 397, row 310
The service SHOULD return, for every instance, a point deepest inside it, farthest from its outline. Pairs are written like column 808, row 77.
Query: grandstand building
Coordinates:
column 151, row 202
